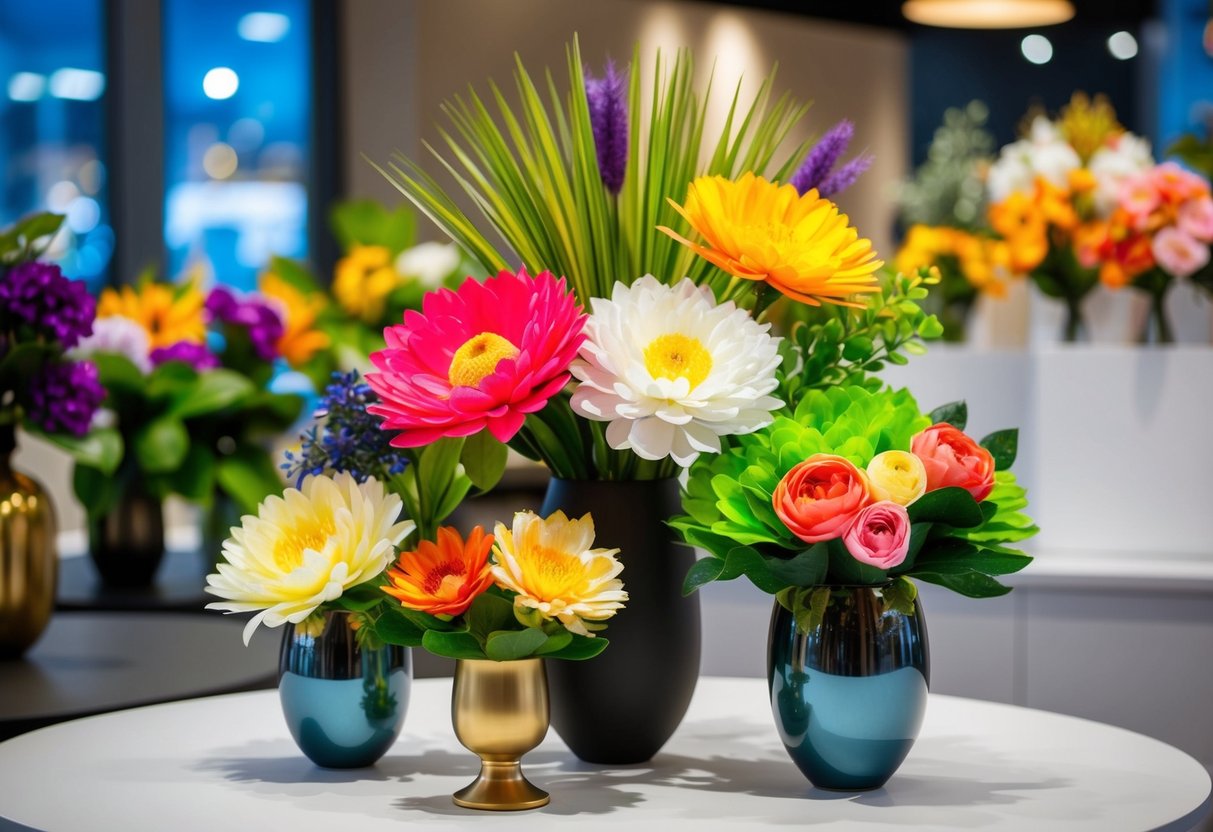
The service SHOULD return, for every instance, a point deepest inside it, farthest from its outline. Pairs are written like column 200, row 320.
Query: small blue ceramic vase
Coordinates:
column 849, row 696
column 343, row 703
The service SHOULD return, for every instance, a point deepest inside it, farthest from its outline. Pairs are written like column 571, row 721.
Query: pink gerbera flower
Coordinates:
column 481, row 357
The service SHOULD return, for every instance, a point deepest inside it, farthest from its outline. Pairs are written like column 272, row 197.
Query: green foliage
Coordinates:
column 955, row 414
column 369, row 223
column 28, row 238
column 1003, row 445
column 947, row 189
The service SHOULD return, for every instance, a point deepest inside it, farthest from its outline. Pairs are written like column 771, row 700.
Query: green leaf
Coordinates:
column 955, row 414
column 971, row 584
column 170, row 380
column 249, row 476
column 900, row 596
column 703, row 571
column 395, row 628
column 453, row 645
column 362, row 597
column 95, row 490
column 161, row 445
column 953, row 506
column 116, row 372
column 488, row 614
column 195, row 478
column 484, row 459
column 844, row 569
column 294, row 274
column 556, row 642
column 101, row 448
column 425, row 621
column 216, row 390
column 1003, row 446
column 580, row 648
column 510, row 645
column 807, row 568
column 810, row 608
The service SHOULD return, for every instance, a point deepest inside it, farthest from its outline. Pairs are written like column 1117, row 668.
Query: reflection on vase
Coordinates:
column 28, row 558
column 127, row 542
column 500, row 712
column 849, row 696
column 344, row 704
column 645, row 679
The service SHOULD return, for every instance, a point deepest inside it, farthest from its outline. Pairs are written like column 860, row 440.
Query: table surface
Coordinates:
column 177, row 586
column 228, row 762
column 89, row 663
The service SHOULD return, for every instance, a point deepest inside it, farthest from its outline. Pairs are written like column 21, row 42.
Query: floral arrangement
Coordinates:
column 43, row 314
column 188, row 384
column 853, row 487
column 969, row 264
column 674, row 355
column 381, row 273
column 1047, row 189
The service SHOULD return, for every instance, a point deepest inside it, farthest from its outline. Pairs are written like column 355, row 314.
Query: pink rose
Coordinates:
column 1178, row 253
column 819, row 498
column 880, row 535
column 1196, row 218
column 953, row 459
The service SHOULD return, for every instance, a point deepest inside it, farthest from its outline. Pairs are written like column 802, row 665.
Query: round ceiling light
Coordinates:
column 988, row 14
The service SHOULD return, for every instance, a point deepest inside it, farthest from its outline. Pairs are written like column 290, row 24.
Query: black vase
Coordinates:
column 127, row 543
column 621, row 706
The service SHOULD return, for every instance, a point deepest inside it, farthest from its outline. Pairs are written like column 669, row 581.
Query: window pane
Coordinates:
column 237, row 115
column 52, row 101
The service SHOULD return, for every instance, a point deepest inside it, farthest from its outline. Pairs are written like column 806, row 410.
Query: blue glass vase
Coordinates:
column 343, row 702
column 849, row 695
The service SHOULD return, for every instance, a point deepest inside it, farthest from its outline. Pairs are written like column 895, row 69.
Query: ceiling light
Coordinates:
column 263, row 27
column 220, row 83
column 1123, row 46
column 77, row 84
column 988, row 14
column 26, row 86
column 1037, row 49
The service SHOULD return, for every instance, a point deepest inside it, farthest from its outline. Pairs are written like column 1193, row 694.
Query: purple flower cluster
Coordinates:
column 258, row 318
column 64, row 396
column 817, row 169
column 607, row 99
column 187, row 352
column 37, row 295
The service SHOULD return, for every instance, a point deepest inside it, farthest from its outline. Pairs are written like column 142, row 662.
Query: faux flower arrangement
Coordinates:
column 381, row 273
column 673, row 354
column 43, row 314
column 852, row 487
column 1048, row 191
column 187, row 377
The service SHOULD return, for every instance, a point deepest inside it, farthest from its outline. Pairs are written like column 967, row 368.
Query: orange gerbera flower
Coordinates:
column 760, row 230
column 169, row 313
column 1022, row 224
column 300, row 339
column 443, row 578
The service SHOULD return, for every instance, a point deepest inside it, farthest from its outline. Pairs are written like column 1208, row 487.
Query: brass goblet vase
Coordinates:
column 500, row 712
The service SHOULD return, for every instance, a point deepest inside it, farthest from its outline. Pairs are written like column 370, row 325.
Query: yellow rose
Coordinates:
column 897, row 476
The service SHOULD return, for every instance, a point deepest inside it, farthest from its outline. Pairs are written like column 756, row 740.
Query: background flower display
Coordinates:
column 1049, row 190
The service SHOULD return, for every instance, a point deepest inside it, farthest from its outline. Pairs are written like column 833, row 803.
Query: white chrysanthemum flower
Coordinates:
column 429, row 263
column 1045, row 152
column 1116, row 163
column 120, row 336
column 672, row 371
column 307, row 547
column 551, row 566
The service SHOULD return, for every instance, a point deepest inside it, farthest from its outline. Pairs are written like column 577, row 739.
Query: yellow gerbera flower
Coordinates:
column 168, row 313
column 760, row 230
column 307, row 547
column 551, row 566
column 300, row 339
column 363, row 280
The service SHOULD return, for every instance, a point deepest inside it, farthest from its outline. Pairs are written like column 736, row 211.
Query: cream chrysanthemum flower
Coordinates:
column 672, row 371
column 551, row 566
column 307, row 547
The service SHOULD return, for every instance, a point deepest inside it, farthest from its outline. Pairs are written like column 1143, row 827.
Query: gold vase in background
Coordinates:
column 500, row 712
column 28, row 559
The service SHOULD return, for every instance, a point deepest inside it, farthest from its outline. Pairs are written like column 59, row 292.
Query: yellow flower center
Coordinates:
column 675, row 355
column 554, row 573
column 309, row 534
column 478, row 358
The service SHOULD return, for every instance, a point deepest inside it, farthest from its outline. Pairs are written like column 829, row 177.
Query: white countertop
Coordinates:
column 227, row 763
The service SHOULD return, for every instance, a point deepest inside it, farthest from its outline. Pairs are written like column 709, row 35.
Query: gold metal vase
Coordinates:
column 28, row 558
column 500, row 712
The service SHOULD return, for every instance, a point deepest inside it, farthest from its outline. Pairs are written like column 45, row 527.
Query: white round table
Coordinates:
column 228, row 763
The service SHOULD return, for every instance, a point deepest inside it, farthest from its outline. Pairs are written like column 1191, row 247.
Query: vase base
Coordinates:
column 501, row 787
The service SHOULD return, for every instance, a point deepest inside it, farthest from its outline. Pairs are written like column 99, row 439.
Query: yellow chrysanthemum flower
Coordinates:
column 1088, row 124
column 760, row 230
column 363, row 280
column 307, row 547
column 300, row 339
column 551, row 566
column 169, row 314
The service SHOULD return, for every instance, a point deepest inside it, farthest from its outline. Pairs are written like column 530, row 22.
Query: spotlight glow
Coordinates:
column 1123, row 46
column 77, row 84
column 26, row 86
column 220, row 83
column 263, row 27
column 1037, row 49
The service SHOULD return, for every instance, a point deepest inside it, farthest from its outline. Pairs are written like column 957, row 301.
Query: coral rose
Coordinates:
column 880, row 535
column 952, row 458
column 819, row 498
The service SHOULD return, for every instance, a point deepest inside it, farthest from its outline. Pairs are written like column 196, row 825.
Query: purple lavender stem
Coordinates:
column 607, row 99
column 845, row 176
column 823, row 156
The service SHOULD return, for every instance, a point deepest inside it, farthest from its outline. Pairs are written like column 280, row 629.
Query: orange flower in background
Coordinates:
column 983, row 262
column 759, row 230
column 1055, row 205
column 442, row 578
column 300, row 339
column 170, row 314
column 1020, row 221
